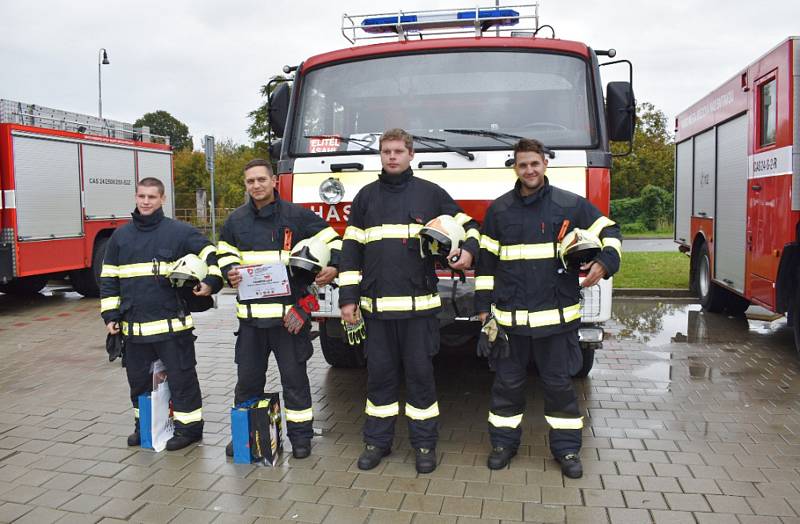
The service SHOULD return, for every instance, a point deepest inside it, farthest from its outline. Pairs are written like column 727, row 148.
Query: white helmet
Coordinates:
column 578, row 247
column 440, row 236
column 187, row 271
column 311, row 254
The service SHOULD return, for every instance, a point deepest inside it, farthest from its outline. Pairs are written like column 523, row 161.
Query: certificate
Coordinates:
column 263, row 280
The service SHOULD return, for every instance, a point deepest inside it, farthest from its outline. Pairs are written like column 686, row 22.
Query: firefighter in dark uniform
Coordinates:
column 138, row 300
column 524, row 290
column 385, row 278
column 263, row 231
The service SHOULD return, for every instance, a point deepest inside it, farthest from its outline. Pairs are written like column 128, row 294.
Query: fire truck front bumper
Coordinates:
column 457, row 305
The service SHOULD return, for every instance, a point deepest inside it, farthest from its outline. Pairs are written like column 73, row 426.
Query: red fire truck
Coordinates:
column 467, row 84
column 67, row 181
column 737, row 187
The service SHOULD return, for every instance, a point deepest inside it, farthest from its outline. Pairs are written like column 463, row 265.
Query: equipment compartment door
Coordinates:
column 109, row 181
column 730, row 223
column 48, row 188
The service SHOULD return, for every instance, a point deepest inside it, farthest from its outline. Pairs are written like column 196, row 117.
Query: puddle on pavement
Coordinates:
column 657, row 324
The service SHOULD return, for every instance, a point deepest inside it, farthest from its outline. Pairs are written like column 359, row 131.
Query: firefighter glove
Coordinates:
column 356, row 332
column 493, row 341
column 115, row 346
column 300, row 313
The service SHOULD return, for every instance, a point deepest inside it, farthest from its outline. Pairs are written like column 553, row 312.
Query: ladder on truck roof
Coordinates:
column 12, row 112
column 441, row 22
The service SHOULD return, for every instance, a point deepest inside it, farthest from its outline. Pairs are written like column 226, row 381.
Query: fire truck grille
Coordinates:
column 590, row 303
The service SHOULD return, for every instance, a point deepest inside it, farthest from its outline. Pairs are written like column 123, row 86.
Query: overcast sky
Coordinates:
column 204, row 61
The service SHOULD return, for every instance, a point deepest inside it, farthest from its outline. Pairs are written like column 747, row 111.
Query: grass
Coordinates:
column 653, row 270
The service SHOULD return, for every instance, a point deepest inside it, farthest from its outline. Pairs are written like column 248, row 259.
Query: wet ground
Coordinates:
column 690, row 417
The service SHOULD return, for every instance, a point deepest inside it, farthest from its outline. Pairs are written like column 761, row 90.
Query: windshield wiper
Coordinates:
column 361, row 142
column 497, row 136
column 485, row 132
column 440, row 142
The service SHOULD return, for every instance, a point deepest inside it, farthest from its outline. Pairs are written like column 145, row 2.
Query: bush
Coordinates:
column 650, row 211
column 632, row 228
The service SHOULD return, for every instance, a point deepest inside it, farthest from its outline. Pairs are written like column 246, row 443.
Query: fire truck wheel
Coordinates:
column 336, row 351
column 587, row 350
column 712, row 297
column 25, row 285
column 460, row 333
column 87, row 281
column 795, row 321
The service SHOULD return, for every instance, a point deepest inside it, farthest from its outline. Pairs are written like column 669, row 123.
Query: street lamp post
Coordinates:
column 102, row 59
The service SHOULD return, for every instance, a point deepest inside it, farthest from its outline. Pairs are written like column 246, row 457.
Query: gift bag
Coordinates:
column 256, row 429
column 155, row 411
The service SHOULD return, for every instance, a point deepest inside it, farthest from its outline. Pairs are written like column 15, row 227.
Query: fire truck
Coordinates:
column 467, row 83
column 737, row 188
column 67, row 181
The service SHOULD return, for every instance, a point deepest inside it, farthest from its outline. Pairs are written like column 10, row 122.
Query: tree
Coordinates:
column 162, row 123
column 259, row 130
column 652, row 158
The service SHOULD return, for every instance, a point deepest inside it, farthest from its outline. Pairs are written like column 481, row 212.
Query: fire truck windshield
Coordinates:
column 530, row 94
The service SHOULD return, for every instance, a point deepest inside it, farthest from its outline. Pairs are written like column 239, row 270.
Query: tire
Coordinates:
column 459, row 334
column 87, row 281
column 713, row 297
column 336, row 351
column 795, row 321
column 587, row 350
column 25, row 285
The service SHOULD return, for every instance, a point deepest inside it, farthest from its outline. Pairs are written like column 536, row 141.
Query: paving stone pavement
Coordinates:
column 689, row 418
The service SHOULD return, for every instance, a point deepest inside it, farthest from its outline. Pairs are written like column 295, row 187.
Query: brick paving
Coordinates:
column 690, row 418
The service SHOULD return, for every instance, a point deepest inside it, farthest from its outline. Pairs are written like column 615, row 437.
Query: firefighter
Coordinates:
column 385, row 277
column 138, row 300
column 264, row 230
column 528, row 299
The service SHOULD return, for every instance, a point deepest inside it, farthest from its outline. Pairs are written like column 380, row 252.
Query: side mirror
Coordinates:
column 620, row 111
column 279, row 108
column 275, row 150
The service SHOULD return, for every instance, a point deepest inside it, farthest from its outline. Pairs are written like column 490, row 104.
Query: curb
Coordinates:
column 652, row 292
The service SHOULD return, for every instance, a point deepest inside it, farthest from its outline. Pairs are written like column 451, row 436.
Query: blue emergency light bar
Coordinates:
column 492, row 17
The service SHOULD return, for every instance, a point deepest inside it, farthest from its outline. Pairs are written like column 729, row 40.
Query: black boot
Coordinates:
column 371, row 456
column 229, row 449
column 180, row 440
column 135, row 438
column 571, row 465
column 301, row 450
column 425, row 459
column 500, row 457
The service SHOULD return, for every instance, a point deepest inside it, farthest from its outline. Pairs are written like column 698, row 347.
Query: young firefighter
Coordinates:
column 523, row 290
column 138, row 298
column 385, row 276
column 263, row 231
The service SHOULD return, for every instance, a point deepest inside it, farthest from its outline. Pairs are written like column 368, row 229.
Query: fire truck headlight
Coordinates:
column 331, row 191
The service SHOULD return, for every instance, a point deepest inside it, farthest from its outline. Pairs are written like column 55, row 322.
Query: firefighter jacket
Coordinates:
column 266, row 236
column 519, row 276
column 134, row 289
column 382, row 269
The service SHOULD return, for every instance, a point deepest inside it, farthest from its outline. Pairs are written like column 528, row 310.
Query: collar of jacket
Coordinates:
column 530, row 199
column 147, row 222
column 396, row 181
column 267, row 211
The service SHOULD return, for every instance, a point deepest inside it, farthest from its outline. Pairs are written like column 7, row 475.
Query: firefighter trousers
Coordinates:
column 253, row 347
column 392, row 346
column 557, row 357
column 177, row 354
